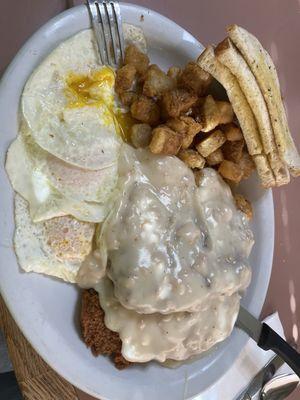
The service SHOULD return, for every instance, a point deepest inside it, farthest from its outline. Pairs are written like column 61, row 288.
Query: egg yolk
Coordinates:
column 85, row 90
column 124, row 123
column 97, row 89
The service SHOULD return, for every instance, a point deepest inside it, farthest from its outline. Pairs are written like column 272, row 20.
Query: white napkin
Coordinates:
column 250, row 361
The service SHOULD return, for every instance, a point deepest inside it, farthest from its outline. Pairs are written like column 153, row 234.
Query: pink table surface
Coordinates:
column 277, row 24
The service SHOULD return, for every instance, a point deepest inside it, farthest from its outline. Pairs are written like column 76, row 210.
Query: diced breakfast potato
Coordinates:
column 135, row 57
column 165, row 141
column 187, row 127
column 231, row 171
column 195, row 79
column 244, row 205
column 209, row 114
column 232, row 132
column 127, row 98
column 141, row 135
column 176, row 102
column 226, row 112
column 157, row 82
column 192, row 158
column 125, row 78
column 198, row 175
column 174, row 73
column 213, row 142
column 145, row 110
column 215, row 158
column 233, row 151
column 246, row 164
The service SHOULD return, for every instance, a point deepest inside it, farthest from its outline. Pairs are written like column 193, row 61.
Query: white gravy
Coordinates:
column 175, row 336
column 173, row 246
column 91, row 270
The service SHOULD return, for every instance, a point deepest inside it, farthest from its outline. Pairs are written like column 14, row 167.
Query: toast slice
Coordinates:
column 228, row 54
column 265, row 73
column 208, row 61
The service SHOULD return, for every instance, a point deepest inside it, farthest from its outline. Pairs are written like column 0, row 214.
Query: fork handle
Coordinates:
column 270, row 340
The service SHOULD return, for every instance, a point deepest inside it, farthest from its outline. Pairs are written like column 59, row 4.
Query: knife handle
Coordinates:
column 270, row 340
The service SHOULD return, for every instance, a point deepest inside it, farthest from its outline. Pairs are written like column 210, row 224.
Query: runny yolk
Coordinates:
column 90, row 89
column 97, row 89
column 124, row 124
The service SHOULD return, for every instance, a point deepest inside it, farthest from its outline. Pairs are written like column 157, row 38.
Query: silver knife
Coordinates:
column 267, row 339
column 264, row 375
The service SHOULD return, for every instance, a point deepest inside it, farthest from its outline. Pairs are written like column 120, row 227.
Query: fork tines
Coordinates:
column 107, row 25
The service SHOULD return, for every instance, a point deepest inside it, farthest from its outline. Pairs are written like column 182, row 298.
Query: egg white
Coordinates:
column 35, row 254
column 82, row 136
column 28, row 178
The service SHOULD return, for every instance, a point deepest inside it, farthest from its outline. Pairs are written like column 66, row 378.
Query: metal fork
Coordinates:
column 107, row 26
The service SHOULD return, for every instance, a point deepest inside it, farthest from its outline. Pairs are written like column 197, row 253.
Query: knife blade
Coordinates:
column 249, row 324
column 264, row 375
column 267, row 339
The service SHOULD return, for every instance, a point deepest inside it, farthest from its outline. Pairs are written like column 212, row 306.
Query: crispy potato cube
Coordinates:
column 187, row 127
column 192, row 158
column 127, row 98
column 176, row 102
column 209, row 114
column 246, row 164
column 165, row 141
column 232, row 132
column 125, row 78
column 141, row 135
column 156, row 82
column 215, row 158
column 226, row 112
column 233, row 151
column 210, row 144
column 244, row 205
column 145, row 110
column 231, row 171
column 135, row 57
column 198, row 175
column 174, row 73
column 195, row 79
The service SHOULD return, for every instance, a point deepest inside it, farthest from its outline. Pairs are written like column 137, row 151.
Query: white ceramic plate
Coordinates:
column 46, row 309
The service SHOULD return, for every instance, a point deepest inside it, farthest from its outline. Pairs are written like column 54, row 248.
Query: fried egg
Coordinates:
column 68, row 105
column 56, row 247
column 25, row 166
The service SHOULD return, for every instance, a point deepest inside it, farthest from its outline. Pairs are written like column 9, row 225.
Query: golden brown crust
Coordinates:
column 125, row 78
column 210, row 144
column 145, row 110
column 165, row 141
column 231, row 171
column 232, row 132
column 209, row 114
column 174, row 73
column 194, row 78
column 156, row 82
column 246, row 164
column 215, row 158
column 127, row 98
column 187, row 127
column 243, row 205
column 192, row 158
column 135, row 57
column 226, row 112
column 96, row 335
column 176, row 102
column 233, row 151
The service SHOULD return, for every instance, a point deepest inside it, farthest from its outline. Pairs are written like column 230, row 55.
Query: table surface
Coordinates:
column 276, row 23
